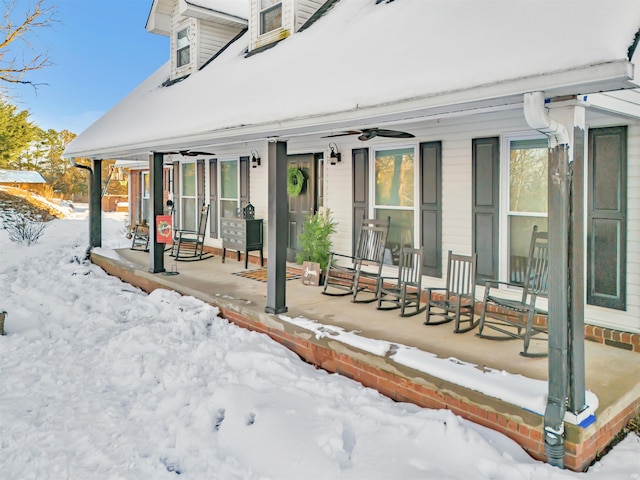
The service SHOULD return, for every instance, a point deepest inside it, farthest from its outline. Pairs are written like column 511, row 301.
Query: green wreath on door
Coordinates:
column 295, row 181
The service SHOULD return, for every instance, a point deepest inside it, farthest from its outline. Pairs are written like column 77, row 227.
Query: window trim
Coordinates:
column 145, row 174
column 416, row 207
column 194, row 196
column 503, row 232
column 262, row 11
column 220, row 197
column 186, row 28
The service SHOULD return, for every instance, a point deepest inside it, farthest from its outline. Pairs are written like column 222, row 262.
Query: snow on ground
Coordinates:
column 100, row 381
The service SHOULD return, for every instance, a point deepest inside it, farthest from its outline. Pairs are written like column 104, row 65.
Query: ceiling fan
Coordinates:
column 189, row 153
column 369, row 133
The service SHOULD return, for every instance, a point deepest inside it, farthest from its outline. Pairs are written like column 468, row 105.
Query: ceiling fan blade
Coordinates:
column 344, row 134
column 381, row 132
column 193, row 153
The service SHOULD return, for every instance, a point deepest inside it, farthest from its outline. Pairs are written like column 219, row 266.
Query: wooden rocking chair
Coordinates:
column 363, row 270
column 189, row 244
column 140, row 236
column 513, row 317
column 458, row 299
column 405, row 290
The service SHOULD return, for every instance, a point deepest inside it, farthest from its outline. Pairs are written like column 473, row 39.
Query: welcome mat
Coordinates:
column 261, row 274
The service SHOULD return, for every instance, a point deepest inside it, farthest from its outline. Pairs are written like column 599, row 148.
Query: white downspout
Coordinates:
column 538, row 117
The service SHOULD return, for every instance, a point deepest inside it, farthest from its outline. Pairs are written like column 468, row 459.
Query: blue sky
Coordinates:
column 100, row 50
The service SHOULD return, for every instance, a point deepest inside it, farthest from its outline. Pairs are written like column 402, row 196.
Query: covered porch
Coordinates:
column 485, row 381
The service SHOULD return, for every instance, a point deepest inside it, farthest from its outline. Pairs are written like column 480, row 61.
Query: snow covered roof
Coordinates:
column 365, row 63
column 18, row 176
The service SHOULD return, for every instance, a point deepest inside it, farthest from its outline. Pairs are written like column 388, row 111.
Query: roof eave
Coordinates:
column 610, row 76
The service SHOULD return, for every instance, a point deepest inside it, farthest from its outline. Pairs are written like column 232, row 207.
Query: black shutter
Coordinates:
column 486, row 206
column 244, row 181
column 431, row 207
column 213, row 198
column 200, row 182
column 176, row 195
column 606, row 220
column 360, row 159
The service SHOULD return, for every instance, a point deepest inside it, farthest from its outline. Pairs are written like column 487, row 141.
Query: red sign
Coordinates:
column 164, row 228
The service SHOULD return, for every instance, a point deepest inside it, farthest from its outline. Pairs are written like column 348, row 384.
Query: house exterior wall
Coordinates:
column 456, row 136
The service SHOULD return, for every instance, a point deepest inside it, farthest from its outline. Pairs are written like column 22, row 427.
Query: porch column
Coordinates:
column 566, row 267
column 156, row 250
column 95, row 204
column 572, row 204
column 277, row 231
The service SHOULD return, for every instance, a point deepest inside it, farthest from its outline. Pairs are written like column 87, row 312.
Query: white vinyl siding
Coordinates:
column 304, row 10
column 213, row 37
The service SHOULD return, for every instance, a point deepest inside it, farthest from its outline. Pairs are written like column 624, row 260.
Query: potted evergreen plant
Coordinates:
column 314, row 241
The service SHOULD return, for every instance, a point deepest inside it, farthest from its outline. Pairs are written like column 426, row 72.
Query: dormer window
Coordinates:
column 270, row 15
column 183, row 45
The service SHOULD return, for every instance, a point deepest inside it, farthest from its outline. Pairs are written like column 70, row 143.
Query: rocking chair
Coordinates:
column 364, row 268
column 405, row 290
column 140, row 237
column 458, row 299
column 189, row 244
column 513, row 317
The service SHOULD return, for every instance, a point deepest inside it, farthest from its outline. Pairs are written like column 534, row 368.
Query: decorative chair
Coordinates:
column 364, row 268
column 513, row 315
column 405, row 290
column 140, row 235
column 189, row 244
column 457, row 302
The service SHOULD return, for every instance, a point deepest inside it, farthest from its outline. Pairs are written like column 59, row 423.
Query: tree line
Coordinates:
column 23, row 144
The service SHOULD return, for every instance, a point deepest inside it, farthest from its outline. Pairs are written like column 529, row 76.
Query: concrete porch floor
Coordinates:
column 612, row 374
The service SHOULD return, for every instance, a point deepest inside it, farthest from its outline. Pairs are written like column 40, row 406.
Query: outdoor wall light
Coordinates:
column 334, row 156
column 255, row 159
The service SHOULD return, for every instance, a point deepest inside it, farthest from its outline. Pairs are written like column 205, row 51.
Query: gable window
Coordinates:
column 183, row 47
column 527, row 203
column 229, row 188
column 270, row 15
column 394, row 196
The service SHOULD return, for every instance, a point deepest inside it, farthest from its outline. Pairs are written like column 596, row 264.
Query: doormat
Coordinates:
column 261, row 274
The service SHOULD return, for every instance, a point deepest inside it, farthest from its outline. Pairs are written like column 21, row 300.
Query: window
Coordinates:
column 188, row 197
column 229, row 188
column 183, row 47
column 145, row 197
column 394, row 196
column 270, row 15
column 527, row 204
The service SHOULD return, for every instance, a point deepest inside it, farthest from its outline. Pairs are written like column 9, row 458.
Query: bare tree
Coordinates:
column 16, row 62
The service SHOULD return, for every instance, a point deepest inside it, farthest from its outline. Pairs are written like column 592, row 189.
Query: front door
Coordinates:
column 301, row 206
